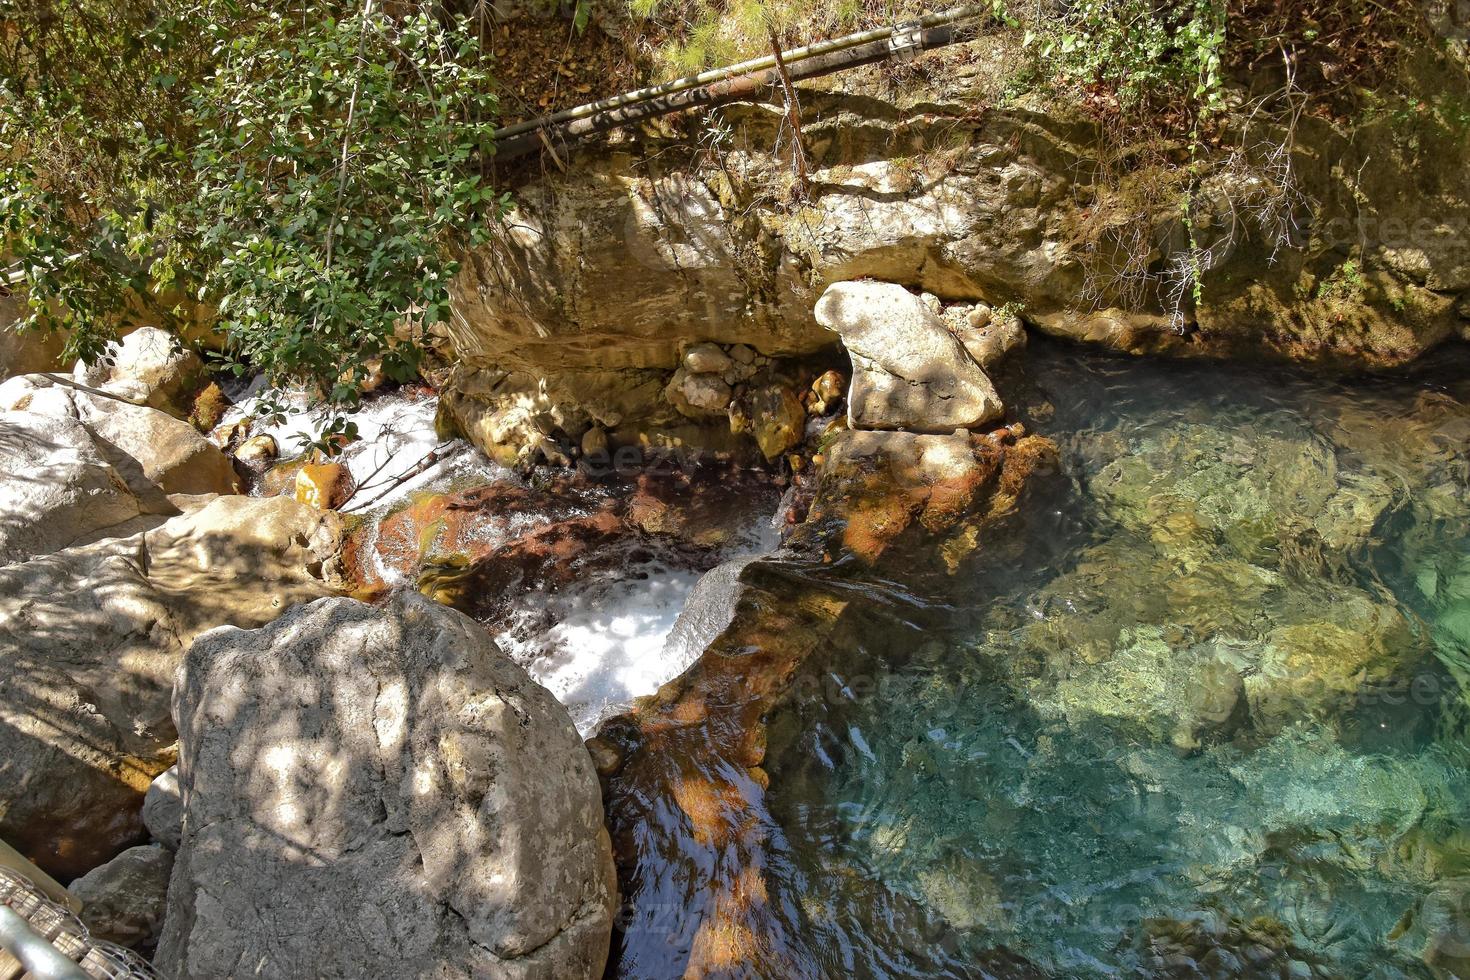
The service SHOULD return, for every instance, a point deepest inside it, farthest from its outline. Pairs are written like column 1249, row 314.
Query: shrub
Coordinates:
column 298, row 169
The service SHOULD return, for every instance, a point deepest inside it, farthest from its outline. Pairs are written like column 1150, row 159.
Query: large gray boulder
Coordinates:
column 90, row 639
column 123, row 901
column 56, row 487
column 381, row 792
column 909, row 371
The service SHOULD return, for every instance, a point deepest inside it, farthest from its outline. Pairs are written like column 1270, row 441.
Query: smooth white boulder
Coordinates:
column 909, row 371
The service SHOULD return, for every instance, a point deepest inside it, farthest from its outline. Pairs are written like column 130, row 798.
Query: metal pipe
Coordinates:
column 40, row 959
column 792, row 57
column 731, row 89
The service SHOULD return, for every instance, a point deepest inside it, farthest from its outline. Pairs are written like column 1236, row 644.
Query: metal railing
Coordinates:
column 43, row 939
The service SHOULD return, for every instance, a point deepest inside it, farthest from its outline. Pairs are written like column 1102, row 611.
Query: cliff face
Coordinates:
column 605, row 273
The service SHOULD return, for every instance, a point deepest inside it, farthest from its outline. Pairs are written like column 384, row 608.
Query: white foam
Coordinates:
column 604, row 648
column 607, row 644
column 395, row 435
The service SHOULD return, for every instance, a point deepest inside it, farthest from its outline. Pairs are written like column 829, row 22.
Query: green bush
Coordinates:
column 299, row 170
column 1147, row 53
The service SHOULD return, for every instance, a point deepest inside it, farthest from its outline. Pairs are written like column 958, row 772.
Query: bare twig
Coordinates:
column 793, row 116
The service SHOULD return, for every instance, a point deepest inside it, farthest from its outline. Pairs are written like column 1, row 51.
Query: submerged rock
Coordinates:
column 123, row 901
column 373, row 792
column 909, row 371
column 874, row 487
column 90, row 638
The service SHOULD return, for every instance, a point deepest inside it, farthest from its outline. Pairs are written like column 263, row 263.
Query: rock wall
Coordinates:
column 605, row 274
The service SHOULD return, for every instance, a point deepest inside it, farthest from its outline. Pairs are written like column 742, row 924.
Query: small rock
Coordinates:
column 826, row 392
column 706, row 359
column 696, row 395
column 163, row 809
column 257, row 452
column 124, row 900
column 830, row 386
column 779, row 420
column 606, row 758
column 980, row 316
column 990, row 344
column 209, row 408
column 746, row 355
column 324, row 486
column 740, row 420
column 594, row 441
column 552, row 452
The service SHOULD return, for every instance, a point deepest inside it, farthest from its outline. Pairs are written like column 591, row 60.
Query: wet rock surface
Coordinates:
column 350, row 765
column 689, row 760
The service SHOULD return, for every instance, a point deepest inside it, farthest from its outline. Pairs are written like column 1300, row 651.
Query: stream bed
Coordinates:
column 1200, row 714
column 1197, row 710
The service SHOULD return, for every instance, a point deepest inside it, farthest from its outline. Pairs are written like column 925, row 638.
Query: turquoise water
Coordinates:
column 1200, row 717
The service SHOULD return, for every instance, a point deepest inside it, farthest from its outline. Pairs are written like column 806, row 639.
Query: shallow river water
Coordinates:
column 1200, row 716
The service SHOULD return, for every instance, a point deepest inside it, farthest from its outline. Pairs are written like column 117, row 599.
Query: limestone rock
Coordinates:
column 698, row 394
column 387, row 780
column 94, row 461
column 90, row 638
column 989, row 339
column 151, row 357
column 170, row 452
column 123, row 901
column 606, row 270
column 163, row 809
column 707, row 358
column 325, row 486
column 778, row 420
column 25, row 353
column 56, row 488
column 909, row 371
